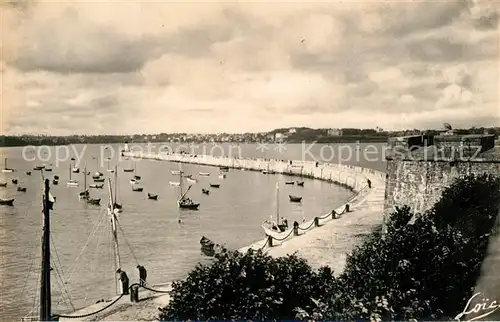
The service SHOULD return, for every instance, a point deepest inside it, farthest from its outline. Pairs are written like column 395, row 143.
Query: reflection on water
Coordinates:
column 230, row 215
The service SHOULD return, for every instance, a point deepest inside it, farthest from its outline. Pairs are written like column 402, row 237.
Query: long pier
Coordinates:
column 366, row 210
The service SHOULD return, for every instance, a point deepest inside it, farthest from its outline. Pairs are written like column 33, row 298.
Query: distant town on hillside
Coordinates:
column 282, row 135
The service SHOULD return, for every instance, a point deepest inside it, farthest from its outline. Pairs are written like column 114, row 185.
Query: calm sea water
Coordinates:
column 152, row 236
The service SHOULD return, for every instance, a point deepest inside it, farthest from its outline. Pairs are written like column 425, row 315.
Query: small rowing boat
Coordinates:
column 295, row 198
column 7, row 202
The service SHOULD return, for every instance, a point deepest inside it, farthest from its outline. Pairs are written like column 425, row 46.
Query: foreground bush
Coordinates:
column 424, row 268
column 248, row 286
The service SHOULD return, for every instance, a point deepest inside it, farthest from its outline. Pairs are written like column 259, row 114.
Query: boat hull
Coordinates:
column 7, row 170
column 72, row 184
column 7, row 202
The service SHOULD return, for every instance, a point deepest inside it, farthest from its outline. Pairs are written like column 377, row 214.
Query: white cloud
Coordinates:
column 161, row 67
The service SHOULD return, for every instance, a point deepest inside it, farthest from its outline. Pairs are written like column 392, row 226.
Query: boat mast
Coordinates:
column 45, row 290
column 5, row 163
column 277, row 203
column 116, row 183
column 115, row 236
column 180, row 184
column 70, row 172
column 85, row 179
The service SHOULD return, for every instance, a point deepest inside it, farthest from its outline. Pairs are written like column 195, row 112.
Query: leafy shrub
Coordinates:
column 248, row 286
column 424, row 268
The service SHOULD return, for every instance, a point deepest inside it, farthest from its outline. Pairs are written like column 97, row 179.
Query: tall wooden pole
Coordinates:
column 45, row 290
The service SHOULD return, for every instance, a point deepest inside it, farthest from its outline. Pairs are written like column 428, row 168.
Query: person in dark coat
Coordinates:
column 369, row 183
column 124, row 280
column 142, row 275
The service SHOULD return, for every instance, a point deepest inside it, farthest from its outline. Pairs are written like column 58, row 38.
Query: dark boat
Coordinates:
column 128, row 170
column 187, row 203
column 96, row 186
column 137, row 177
column 84, row 194
column 224, row 169
column 207, row 246
column 95, row 176
column 21, row 189
column 14, row 181
column 294, row 198
column 215, row 185
column 56, row 177
column 94, row 201
column 48, row 169
column 205, row 191
column 38, row 167
column 99, row 180
column 3, row 184
column 289, row 182
column 152, row 196
column 301, row 183
column 55, row 182
column 28, row 173
column 117, row 206
column 7, row 202
column 137, row 189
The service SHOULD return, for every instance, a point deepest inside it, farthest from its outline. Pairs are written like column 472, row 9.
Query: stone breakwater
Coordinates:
column 352, row 177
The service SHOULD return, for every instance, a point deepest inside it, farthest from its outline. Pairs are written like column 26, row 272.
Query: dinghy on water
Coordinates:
column 152, row 196
column 215, row 185
column 28, row 173
column 97, row 186
column 295, row 198
column 3, row 184
column 300, row 184
column 204, row 174
column 21, row 189
column 137, row 189
column 205, row 191
column 7, row 202
column 14, row 181
column 289, row 182
column 174, row 183
column 192, row 180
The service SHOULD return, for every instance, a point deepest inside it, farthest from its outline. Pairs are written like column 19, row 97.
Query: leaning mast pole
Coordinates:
column 111, row 210
column 45, row 289
column 277, row 203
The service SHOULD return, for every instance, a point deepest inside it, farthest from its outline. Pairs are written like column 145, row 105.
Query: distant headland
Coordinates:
column 282, row 135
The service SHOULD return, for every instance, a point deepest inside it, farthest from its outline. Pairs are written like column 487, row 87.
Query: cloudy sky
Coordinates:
column 129, row 67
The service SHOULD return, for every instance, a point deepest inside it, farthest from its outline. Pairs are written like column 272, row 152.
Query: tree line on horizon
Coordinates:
column 301, row 134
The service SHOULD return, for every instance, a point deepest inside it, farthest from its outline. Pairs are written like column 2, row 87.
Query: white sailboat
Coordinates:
column 109, row 170
column 71, row 182
column 183, row 202
column 5, row 168
column 274, row 227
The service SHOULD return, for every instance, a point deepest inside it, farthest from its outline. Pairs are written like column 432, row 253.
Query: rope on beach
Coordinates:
column 149, row 289
column 281, row 239
column 89, row 314
column 312, row 223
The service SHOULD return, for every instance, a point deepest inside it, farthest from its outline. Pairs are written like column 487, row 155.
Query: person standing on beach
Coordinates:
column 142, row 275
column 369, row 183
column 124, row 280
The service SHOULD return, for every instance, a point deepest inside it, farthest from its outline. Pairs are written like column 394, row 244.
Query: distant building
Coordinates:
column 334, row 132
column 278, row 136
column 292, row 130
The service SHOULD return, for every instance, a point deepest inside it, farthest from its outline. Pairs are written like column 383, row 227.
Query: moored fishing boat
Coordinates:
column 272, row 227
column 3, row 184
column 215, row 185
column 7, row 202
column 183, row 202
column 152, row 196
column 204, row 174
column 300, row 183
column 137, row 189
column 21, row 189
column 294, row 198
column 289, row 182
column 205, row 191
